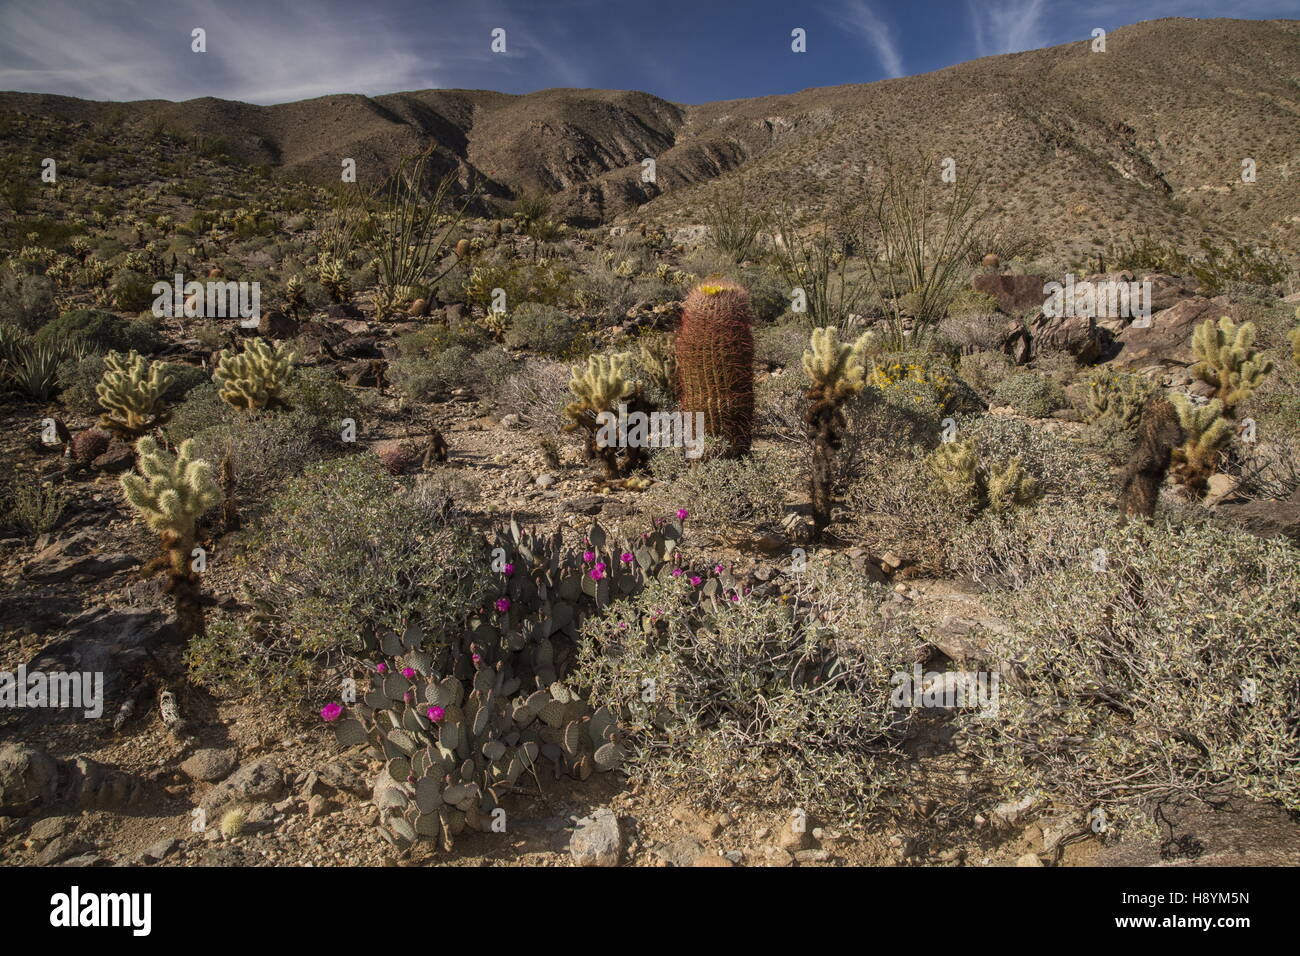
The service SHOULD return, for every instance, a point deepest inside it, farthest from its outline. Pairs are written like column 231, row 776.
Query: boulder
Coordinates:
column 277, row 325
column 29, row 779
column 209, row 765
column 1079, row 335
column 1016, row 294
column 1168, row 339
column 596, row 840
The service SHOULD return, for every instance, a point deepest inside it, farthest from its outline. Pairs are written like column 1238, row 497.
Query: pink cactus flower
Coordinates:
column 682, row 513
column 508, row 570
column 408, row 672
column 626, row 557
column 435, row 713
column 503, row 604
column 589, row 556
column 695, row 580
column 678, row 572
column 381, row 667
column 476, row 658
column 718, row 569
column 331, row 712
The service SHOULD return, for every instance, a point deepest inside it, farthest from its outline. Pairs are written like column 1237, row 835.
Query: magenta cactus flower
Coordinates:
column 695, row 580
column 718, row 569
column 626, row 557
column 678, row 572
column 381, row 667
column 597, row 572
column 503, row 604
column 330, row 712
column 435, row 713
column 682, row 513
column 508, row 570
column 589, row 556
column 408, row 672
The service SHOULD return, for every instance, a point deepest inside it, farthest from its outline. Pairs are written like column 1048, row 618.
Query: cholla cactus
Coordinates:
column 295, row 296
column 659, row 359
column 255, row 377
column 1226, row 360
column 600, row 387
column 171, row 493
column 1118, row 398
column 1009, row 487
column 958, row 470
column 1205, row 433
column 837, row 374
column 331, row 274
column 131, row 394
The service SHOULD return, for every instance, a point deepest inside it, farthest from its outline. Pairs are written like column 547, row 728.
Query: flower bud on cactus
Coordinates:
column 131, row 394
column 715, row 361
column 255, row 377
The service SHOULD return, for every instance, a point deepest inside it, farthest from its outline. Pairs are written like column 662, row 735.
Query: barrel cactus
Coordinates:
column 715, row 361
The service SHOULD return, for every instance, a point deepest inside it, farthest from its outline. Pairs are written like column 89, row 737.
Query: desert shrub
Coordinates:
column 542, row 328
column 778, row 703
column 545, row 281
column 781, row 345
column 1024, row 543
column 984, row 371
column 344, row 545
column 1058, row 366
column 896, row 506
column 1168, row 670
column 781, row 404
column 423, row 379
column 78, row 378
column 1030, row 394
column 26, row 301
column 35, row 507
column 973, row 332
column 718, row 492
column 537, row 393
column 317, row 406
column 1054, row 460
column 130, row 291
column 923, row 379
column 101, row 331
column 263, row 448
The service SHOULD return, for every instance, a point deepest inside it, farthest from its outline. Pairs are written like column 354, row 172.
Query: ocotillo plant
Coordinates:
column 131, row 394
column 837, row 374
column 1227, row 360
column 171, row 494
column 255, row 377
column 715, row 362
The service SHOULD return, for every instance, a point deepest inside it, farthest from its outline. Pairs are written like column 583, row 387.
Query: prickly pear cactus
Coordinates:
column 459, row 718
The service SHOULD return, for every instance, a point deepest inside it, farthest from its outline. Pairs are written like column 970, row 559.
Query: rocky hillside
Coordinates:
column 1146, row 137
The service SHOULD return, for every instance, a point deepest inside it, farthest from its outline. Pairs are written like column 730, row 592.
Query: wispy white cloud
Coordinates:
column 1007, row 26
column 127, row 49
column 858, row 17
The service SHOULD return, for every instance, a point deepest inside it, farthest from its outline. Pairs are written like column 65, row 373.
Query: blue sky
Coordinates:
column 689, row 51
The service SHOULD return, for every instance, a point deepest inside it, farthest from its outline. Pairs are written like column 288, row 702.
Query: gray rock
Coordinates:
column 209, row 765
column 160, row 850
column 49, row 828
column 261, row 780
column 29, row 778
column 77, row 555
column 60, row 849
column 597, row 840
